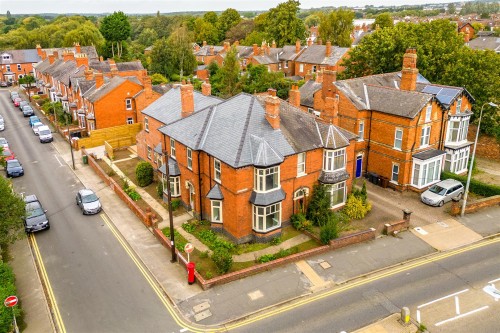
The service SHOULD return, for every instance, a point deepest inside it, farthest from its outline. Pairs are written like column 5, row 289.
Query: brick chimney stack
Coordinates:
column 148, row 87
column 328, row 48
column 297, row 46
column 206, row 88
column 410, row 72
column 320, row 41
column 78, row 49
column 99, row 80
column 187, row 99
column 68, row 56
column 89, row 74
column 273, row 109
column 44, row 55
column 51, row 58
column 294, row 96
column 274, row 44
column 309, row 41
column 319, row 76
column 328, row 88
column 331, row 111
column 39, row 50
column 227, row 46
column 81, row 59
column 211, row 50
column 204, row 43
column 256, row 51
column 113, row 68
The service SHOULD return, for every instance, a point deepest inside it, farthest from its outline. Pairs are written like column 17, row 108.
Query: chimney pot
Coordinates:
column 206, row 88
column 187, row 100
column 297, row 46
column 273, row 111
column 328, row 48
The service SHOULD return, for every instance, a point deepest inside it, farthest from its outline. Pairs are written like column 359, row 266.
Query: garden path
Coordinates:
column 251, row 256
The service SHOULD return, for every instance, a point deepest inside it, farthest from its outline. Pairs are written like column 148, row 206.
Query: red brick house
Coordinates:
column 468, row 30
column 14, row 64
column 248, row 163
column 408, row 129
column 317, row 57
column 280, row 59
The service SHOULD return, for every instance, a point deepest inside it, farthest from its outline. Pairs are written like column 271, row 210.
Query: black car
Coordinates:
column 14, row 168
column 28, row 111
column 35, row 219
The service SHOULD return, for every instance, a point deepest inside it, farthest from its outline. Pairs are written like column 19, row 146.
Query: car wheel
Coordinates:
column 441, row 203
column 459, row 196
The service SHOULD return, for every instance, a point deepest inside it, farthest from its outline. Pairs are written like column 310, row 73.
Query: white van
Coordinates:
column 45, row 134
column 2, row 124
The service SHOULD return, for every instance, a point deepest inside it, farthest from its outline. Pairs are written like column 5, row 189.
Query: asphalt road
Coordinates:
column 349, row 309
column 96, row 284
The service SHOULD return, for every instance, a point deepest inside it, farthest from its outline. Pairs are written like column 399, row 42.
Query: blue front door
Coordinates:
column 359, row 165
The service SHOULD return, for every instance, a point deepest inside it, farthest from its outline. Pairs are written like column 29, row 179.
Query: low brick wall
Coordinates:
column 357, row 237
column 145, row 217
column 390, row 228
column 474, row 206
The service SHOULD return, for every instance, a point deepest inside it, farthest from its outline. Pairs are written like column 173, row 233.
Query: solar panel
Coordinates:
column 444, row 99
column 449, row 92
column 432, row 90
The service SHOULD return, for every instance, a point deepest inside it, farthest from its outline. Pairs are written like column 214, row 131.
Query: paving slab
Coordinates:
column 390, row 324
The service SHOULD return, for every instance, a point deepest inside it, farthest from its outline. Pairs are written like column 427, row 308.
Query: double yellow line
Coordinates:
column 50, row 293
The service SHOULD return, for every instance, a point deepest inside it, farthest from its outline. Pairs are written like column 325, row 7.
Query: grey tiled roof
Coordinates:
column 307, row 92
column 333, row 177
column 428, row 154
column 94, row 94
column 205, row 50
column 173, row 168
column 168, row 107
column 316, row 54
column 85, row 85
column 237, row 132
column 20, row 56
column 268, row 198
column 288, row 52
column 244, row 51
column 162, row 88
column 42, row 66
column 53, row 67
column 215, row 193
column 104, row 66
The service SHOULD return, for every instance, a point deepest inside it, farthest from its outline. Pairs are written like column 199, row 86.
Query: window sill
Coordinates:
column 267, row 231
column 301, row 175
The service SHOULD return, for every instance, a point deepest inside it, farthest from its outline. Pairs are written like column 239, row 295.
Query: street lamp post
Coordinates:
column 69, row 140
column 170, row 215
column 469, row 175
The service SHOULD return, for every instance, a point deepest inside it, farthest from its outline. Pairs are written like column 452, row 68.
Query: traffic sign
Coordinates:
column 188, row 248
column 10, row 301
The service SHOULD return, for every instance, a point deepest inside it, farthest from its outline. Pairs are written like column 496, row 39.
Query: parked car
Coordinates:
column 34, row 119
column 14, row 168
column 17, row 101
column 36, row 126
column 88, row 201
column 13, row 96
column 8, row 154
column 45, row 134
column 2, row 123
column 28, row 111
column 4, row 143
column 23, row 103
column 442, row 192
column 4, row 84
column 35, row 219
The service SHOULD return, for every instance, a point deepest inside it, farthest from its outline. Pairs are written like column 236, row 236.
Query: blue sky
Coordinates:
column 152, row 6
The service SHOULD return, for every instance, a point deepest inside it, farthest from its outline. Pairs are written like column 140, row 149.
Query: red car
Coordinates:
column 17, row 101
column 8, row 154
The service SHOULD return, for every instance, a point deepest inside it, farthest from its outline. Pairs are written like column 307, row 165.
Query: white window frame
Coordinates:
column 339, row 187
column 172, row 148
column 7, row 68
column 428, row 113
column 216, row 205
column 128, row 103
column 175, row 186
column 458, row 108
column 361, row 131
column 286, row 64
column 395, row 173
column 332, row 157
column 148, row 152
column 146, row 124
column 130, row 120
column 260, row 176
column 189, row 154
column 301, row 68
column 425, row 136
column 459, row 132
column 217, row 170
column 429, row 172
column 259, row 216
column 19, row 67
column 398, row 140
column 301, row 164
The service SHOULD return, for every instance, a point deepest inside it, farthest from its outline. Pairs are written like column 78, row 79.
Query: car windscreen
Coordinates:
column 438, row 190
column 13, row 164
column 89, row 198
column 33, row 209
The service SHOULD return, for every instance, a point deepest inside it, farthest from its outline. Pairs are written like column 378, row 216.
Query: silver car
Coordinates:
column 442, row 192
column 88, row 202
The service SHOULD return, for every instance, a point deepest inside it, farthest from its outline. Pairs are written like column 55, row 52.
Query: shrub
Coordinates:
column 266, row 258
column 204, row 254
column 176, row 203
column 209, row 275
column 222, row 259
column 189, row 227
column 144, row 173
column 319, row 206
column 7, row 288
column 329, row 231
column 210, row 239
column 276, row 241
column 355, row 208
column 300, row 222
column 475, row 186
column 159, row 188
column 132, row 194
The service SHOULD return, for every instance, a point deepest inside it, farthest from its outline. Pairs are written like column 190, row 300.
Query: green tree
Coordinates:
column 11, row 213
column 240, row 31
column 258, row 79
column 144, row 173
column 319, row 206
column 28, row 80
column 228, row 19
column 226, row 81
column 383, row 20
column 312, row 20
column 283, row 25
column 162, row 58
column 86, row 34
column 205, row 32
column 210, row 17
column 116, row 29
column 451, row 8
column 147, row 37
column 255, row 37
column 336, row 26
column 180, row 44
column 158, row 79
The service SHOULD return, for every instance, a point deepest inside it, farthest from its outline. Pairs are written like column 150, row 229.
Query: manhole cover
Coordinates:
column 325, row 265
column 255, row 295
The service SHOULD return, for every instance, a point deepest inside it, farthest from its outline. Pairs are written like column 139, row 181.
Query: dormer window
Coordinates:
column 266, row 179
column 333, row 160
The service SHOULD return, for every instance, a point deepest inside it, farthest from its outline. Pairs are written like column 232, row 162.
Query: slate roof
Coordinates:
column 271, row 58
column 244, row 51
column 173, row 168
column 94, row 94
column 42, row 66
column 162, row 88
column 316, row 54
column 205, row 50
column 428, row 154
column 268, row 198
column 90, row 51
column 85, row 85
column 307, row 92
column 20, row 56
column 215, row 193
column 167, row 108
column 237, row 132
column 288, row 52
column 446, row 95
column 104, row 66
column 485, row 43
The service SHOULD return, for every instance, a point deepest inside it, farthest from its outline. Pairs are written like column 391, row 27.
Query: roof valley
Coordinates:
column 244, row 134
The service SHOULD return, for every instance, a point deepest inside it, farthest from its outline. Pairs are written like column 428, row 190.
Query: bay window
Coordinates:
column 334, row 160
column 267, row 218
column 426, row 172
column 337, row 194
column 175, row 186
column 457, row 129
column 266, row 179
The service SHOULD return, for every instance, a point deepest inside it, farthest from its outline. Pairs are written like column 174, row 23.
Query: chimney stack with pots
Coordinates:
column 297, row 46
column 187, row 99
column 328, row 88
column 206, row 88
column 273, row 109
column 99, row 80
column 294, row 96
column 81, row 59
column 410, row 72
column 328, row 48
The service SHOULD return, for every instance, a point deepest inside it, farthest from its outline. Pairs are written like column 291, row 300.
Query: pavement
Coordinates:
column 240, row 298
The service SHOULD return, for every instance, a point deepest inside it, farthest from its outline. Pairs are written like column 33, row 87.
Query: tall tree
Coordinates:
column 227, row 79
column 180, row 43
column 283, row 25
column 11, row 213
column 205, row 31
column 85, row 34
column 383, row 20
column 116, row 29
column 228, row 19
column 210, row 17
column 162, row 58
column 312, row 20
column 451, row 8
column 336, row 26
column 240, row 31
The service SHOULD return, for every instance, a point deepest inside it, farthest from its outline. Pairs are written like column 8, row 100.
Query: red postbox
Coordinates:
column 190, row 268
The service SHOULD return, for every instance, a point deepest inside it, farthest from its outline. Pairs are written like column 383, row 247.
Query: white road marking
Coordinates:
column 183, row 330
column 462, row 315
column 421, row 231
column 457, row 305
column 418, row 316
column 442, row 298
column 57, row 158
column 493, row 281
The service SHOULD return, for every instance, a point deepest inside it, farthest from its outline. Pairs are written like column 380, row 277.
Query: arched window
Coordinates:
column 299, row 198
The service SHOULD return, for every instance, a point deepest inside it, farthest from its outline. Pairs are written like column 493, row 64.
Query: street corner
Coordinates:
column 446, row 235
column 390, row 324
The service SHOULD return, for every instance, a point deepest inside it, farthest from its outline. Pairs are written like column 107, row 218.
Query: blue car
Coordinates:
column 34, row 119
